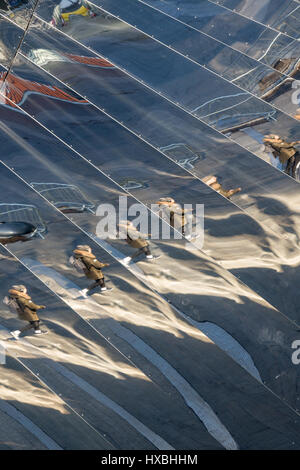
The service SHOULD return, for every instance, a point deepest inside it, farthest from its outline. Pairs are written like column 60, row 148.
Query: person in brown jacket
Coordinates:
column 285, row 151
column 27, row 310
column 212, row 181
column 92, row 268
column 135, row 239
column 176, row 216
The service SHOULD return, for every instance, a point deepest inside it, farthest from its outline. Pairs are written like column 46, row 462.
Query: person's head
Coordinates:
column 216, row 186
column 125, row 224
column 84, row 248
column 165, row 201
column 20, row 288
column 297, row 115
column 273, row 138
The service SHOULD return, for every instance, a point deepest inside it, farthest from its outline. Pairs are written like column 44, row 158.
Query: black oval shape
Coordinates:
column 12, row 229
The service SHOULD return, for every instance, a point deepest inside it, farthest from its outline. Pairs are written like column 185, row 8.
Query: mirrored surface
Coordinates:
column 201, row 107
column 244, row 72
column 163, row 277
column 183, row 319
column 80, row 366
column 10, row 37
column 18, row 11
column 43, row 263
column 214, row 245
column 240, row 33
column 283, row 15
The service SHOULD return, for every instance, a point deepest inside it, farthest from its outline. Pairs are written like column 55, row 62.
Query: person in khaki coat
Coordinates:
column 135, row 239
column 212, row 181
column 92, row 267
column 27, row 310
column 285, row 151
column 174, row 214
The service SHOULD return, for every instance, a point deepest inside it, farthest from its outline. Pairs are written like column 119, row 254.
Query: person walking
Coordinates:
column 135, row 239
column 91, row 267
column 174, row 214
column 213, row 182
column 288, row 156
column 26, row 309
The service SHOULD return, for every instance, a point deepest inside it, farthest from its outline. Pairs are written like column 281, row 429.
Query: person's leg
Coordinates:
column 147, row 252
column 32, row 325
column 295, row 165
column 137, row 253
column 27, row 327
column 290, row 165
column 36, row 326
column 101, row 284
column 93, row 286
column 98, row 283
column 16, row 333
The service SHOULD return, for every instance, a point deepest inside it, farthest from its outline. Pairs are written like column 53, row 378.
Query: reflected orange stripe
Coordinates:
column 16, row 87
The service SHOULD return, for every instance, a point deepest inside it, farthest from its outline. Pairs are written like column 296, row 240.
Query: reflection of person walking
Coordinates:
column 92, row 268
column 26, row 309
column 135, row 239
column 175, row 214
column 285, row 151
column 212, row 181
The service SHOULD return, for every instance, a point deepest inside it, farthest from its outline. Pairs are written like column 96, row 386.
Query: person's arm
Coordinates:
column 30, row 304
column 134, row 234
column 231, row 192
column 209, row 179
column 98, row 265
column 286, row 145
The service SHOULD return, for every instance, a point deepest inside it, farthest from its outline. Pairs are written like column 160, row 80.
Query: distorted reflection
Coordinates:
column 284, row 152
column 175, row 215
column 42, row 57
column 64, row 11
column 20, row 303
column 84, row 261
column 66, row 197
column 135, row 239
column 284, row 15
column 20, row 222
column 198, row 320
column 18, row 11
column 185, row 155
column 15, row 89
column 214, row 183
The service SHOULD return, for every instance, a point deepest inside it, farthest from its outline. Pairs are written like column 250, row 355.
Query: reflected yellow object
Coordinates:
column 83, row 11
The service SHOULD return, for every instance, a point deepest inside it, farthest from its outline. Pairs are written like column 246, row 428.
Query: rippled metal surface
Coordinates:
column 282, row 15
column 93, row 108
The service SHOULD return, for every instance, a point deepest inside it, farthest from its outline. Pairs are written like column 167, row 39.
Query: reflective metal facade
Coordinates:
column 148, row 99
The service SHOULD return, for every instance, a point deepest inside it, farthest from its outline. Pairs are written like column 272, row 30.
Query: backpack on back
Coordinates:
column 78, row 264
column 12, row 304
